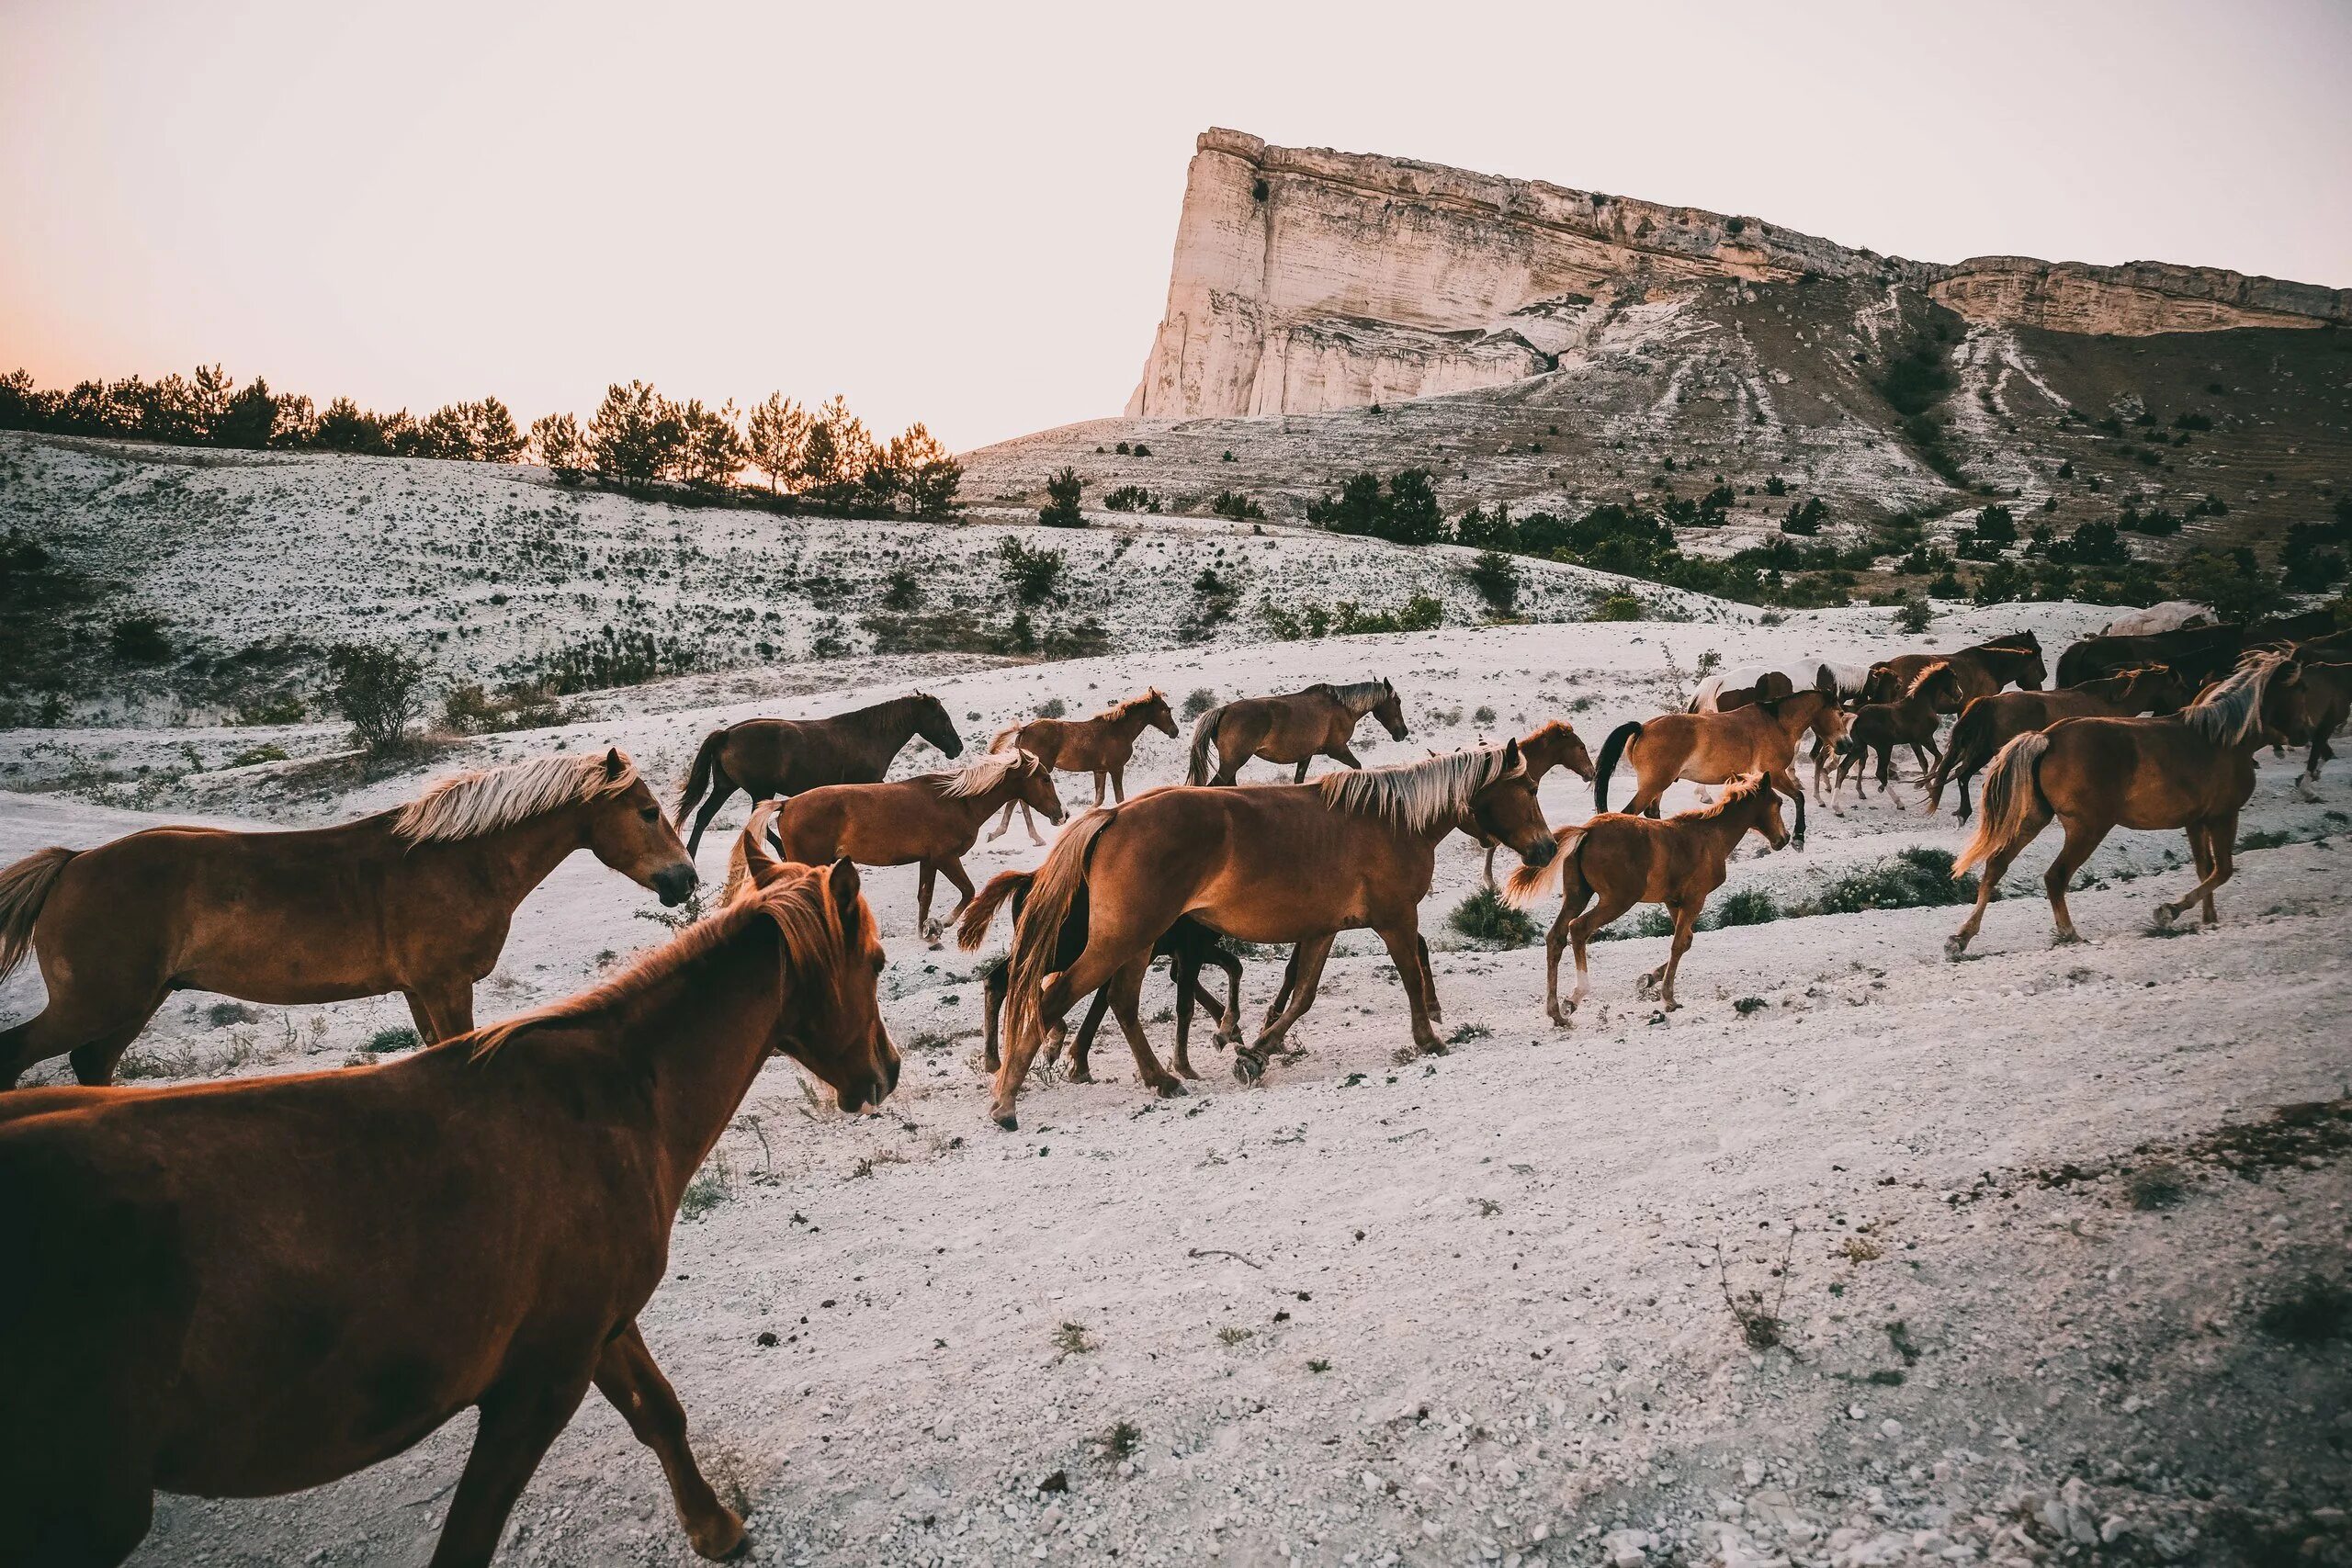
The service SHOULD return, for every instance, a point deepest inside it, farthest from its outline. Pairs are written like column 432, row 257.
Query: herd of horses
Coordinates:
column 248, row 1287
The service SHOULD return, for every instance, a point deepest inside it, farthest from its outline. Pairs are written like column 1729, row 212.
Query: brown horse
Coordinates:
column 1263, row 862
column 1623, row 859
column 2192, row 770
column 931, row 820
column 1318, row 721
column 1987, row 724
column 765, row 757
column 1099, row 746
column 1715, row 748
column 415, row 900
column 1977, row 672
column 2317, row 709
column 1188, row 945
column 239, row 1290
column 1909, row 720
column 1555, row 745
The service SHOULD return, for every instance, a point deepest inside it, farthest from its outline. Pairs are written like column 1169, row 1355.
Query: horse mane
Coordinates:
column 1925, row 675
column 1741, row 788
column 810, row 923
column 2230, row 710
column 467, row 805
column 984, row 773
column 1126, row 706
column 1359, row 697
column 1544, row 731
column 2017, row 642
column 1421, row 794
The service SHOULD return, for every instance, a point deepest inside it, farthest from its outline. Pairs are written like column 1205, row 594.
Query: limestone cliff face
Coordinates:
column 1306, row 279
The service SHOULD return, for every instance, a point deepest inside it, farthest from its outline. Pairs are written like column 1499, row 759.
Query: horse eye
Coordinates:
column 652, row 814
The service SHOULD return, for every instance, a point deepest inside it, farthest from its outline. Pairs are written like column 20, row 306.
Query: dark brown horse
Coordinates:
column 2199, row 654
column 2315, row 710
column 1623, row 859
column 1188, row 946
column 1555, row 745
column 1318, row 721
column 766, row 757
column 1715, row 748
column 2192, row 770
column 1909, row 720
column 1977, row 672
column 1099, row 746
column 1263, row 862
column 239, row 1290
column 415, row 900
column 931, row 821
column 1987, row 724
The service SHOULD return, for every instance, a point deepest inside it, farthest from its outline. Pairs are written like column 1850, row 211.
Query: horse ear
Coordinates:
column 1511, row 753
column 614, row 762
column 844, row 885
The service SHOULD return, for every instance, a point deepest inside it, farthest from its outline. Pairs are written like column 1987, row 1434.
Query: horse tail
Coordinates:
column 1036, row 935
column 1196, row 772
column 973, row 930
column 1972, row 740
column 2013, row 809
column 24, row 888
column 1528, row 883
column 698, row 776
column 1612, row 749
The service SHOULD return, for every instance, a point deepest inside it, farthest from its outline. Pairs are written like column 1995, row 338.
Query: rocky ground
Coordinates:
column 1860, row 1257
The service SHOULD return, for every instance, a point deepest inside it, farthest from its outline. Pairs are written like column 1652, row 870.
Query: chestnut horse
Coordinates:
column 1977, row 672
column 1099, row 746
column 2192, row 770
column 1623, row 859
column 1555, row 745
column 239, row 1290
column 1715, row 747
column 1909, row 720
column 1259, row 863
column 1187, row 945
column 1318, row 721
column 1987, row 724
column 415, row 899
column 765, row 757
column 931, row 820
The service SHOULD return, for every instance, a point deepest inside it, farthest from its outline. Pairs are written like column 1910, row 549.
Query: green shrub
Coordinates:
column 1495, row 579
column 387, row 1040
column 1914, row 877
column 1131, row 498
column 1486, row 917
column 1030, row 574
column 1062, row 492
column 1747, row 907
column 1198, row 701
column 1620, row 607
column 1232, row 503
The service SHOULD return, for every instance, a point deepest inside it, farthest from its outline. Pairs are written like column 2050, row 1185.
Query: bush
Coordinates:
column 379, row 691
column 1914, row 615
column 1497, row 582
column 1198, row 701
column 1486, row 917
column 1232, row 503
column 1408, row 514
column 387, row 1039
column 1131, row 498
column 1421, row 612
column 1916, row 876
column 1620, row 607
column 1031, row 575
column 1747, row 907
column 901, row 591
column 1804, row 517
column 1060, row 510
column 139, row 639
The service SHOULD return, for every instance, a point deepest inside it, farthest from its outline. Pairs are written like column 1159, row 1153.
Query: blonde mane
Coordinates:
column 1735, row 790
column 984, row 773
column 812, row 928
column 1360, row 697
column 467, row 805
column 1925, row 675
column 1420, row 794
column 1126, row 706
column 2229, row 712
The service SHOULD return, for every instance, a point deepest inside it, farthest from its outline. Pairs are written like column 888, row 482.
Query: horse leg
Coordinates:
column 1305, row 973
column 94, row 1059
column 1404, row 951
column 1962, row 780
column 1125, row 991
column 1429, row 981
column 2307, row 782
column 1281, row 992
column 1101, row 779
column 2083, row 836
column 991, row 1006
column 1784, row 779
column 516, row 1428
column 2221, row 843
column 91, row 1026
column 1489, row 874
column 1228, row 1030
column 1686, row 920
column 627, row 1375
column 1118, row 785
column 1300, row 776
column 1184, row 969
column 1029, row 823
column 721, row 787
column 1344, row 754
column 924, row 880
column 1084, row 1042
column 1573, row 898
column 952, row 868
column 1003, row 823
column 1989, row 886
column 442, row 1010
column 1087, row 973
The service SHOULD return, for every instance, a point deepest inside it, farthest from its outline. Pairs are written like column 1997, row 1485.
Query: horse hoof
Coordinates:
column 1008, row 1121
column 2163, row 916
column 1078, row 1075
column 1168, row 1089
column 1955, row 948
column 1247, row 1067
column 719, row 1539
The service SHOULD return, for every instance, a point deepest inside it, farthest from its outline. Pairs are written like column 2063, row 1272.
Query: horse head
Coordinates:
column 1390, row 711
column 627, row 831
column 2156, row 688
column 1033, row 782
column 1506, row 808
column 832, row 955
column 933, row 725
column 1765, row 809
column 1558, row 745
column 1156, row 712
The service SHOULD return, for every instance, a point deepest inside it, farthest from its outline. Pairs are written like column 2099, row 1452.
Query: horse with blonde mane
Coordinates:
column 1987, row 724
column 931, row 820
column 416, row 899
column 2193, row 770
column 1259, row 863
column 1623, row 859
column 251, row 1288
column 1099, row 746
column 1297, row 728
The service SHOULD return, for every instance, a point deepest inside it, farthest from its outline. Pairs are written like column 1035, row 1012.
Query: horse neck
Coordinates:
column 699, row 1036
column 894, row 726
column 1795, row 713
column 1124, row 725
column 1725, row 829
column 513, row 860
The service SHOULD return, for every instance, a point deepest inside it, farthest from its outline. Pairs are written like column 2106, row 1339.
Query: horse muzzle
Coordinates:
column 674, row 884
column 1541, row 853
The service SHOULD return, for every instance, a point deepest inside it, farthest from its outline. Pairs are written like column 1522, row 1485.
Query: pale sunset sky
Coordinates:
column 964, row 214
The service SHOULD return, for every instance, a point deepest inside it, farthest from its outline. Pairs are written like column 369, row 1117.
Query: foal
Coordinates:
column 1556, row 745
column 931, row 820
column 1100, row 745
column 1625, row 859
column 1909, row 721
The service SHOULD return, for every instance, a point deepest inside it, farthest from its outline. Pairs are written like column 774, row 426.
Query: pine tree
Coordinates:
column 635, row 437
column 929, row 475
column 776, row 439
column 556, row 439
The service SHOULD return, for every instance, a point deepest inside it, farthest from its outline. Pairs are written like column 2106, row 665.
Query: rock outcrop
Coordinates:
column 1306, row 280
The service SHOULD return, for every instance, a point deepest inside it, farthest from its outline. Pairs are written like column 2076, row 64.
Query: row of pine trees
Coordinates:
column 638, row 439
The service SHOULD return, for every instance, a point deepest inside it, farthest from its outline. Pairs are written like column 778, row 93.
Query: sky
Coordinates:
column 965, row 214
